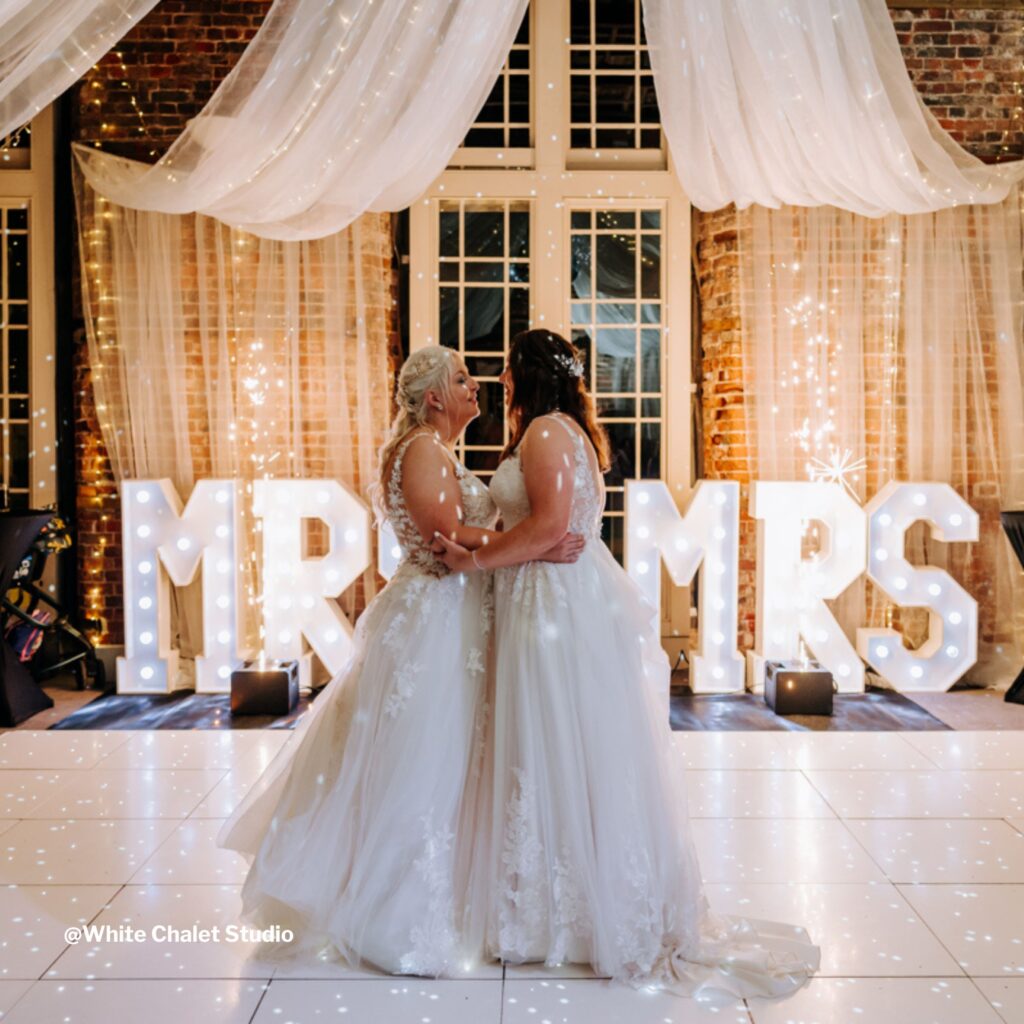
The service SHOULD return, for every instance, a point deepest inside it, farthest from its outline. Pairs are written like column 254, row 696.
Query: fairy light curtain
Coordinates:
column 46, row 45
column 215, row 353
column 891, row 348
column 805, row 102
column 334, row 108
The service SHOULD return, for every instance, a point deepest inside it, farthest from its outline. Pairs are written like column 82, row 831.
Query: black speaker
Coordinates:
column 798, row 688
column 269, row 690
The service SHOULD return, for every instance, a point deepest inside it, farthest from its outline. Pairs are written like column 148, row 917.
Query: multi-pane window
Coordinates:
column 504, row 121
column 576, row 224
column 613, row 105
column 483, row 300
column 14, row 328
column 617, row 318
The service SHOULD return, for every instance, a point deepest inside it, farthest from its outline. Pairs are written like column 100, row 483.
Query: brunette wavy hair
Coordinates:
column 547, row 376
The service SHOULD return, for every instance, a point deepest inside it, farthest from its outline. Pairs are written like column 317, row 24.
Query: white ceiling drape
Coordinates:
column 336, row 107
column 46, row 45
column 807, row 103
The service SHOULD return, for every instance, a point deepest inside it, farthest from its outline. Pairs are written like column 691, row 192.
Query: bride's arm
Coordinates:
column 433, row 496
column 547, row 458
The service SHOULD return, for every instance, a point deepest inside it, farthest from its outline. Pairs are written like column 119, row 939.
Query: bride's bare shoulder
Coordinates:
column 547, row 441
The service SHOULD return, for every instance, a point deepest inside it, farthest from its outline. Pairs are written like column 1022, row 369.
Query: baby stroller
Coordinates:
column 36, row 627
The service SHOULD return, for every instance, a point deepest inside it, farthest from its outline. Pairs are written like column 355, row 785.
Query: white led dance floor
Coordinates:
column 902, row 853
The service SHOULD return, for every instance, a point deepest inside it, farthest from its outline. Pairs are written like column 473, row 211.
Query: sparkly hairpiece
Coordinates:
column 572, row 365
column 425, row 364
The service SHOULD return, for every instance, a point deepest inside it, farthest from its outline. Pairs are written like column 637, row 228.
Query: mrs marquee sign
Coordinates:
column 164, row 543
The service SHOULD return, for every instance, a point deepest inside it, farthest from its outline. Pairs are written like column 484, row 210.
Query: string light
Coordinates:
column 98, row 98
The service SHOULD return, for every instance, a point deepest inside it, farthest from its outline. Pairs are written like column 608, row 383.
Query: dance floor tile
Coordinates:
column 227, row 794
column 335, row 970
column 913, row 794
column 981, row 925
column 1007, row 996
column 146, row 793
column 10, row 993
column 217, row 1001
column 89, row 852
column 602, row 1002
column 43, row 748
column 22, row 790
column 33, row 919
column 753, row 794
column 174, row 906
column 863, row 930
column 521, row 972
column 394, row 1001
column 879, row 1001
column 919, row 850
column 190, row 748
column 191, row 856
column 730, row 750
column 964, row 751
column 762, row 850
column 853, row 751
column 1017, row 823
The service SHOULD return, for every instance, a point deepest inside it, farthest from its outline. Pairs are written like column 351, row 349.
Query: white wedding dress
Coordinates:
column 593, row 860
column 364, row 833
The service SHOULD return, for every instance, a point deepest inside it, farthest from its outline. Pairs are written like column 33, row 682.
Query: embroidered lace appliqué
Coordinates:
column 405, row 685
column 522, row 917
column 433, row 941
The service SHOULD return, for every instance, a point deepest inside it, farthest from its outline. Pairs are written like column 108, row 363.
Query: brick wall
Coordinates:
column 968, row 66
column 135, row 102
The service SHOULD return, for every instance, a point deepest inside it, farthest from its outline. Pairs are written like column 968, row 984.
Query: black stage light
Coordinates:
column 798, row 688
column 265, row 688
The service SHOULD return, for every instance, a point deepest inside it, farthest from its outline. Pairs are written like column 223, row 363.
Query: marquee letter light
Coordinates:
column 296, row 589
column 157, row 536
column 791, row 590
column 952, row 644
column 707, row 537
column 389, row 551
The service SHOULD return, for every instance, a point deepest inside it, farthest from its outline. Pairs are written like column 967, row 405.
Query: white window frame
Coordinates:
column 34, row 186
column 550, row 179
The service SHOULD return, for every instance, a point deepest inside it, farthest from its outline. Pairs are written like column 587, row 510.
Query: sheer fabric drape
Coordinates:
column 806, row 102
column 334, row 108
column 46, row 45
column 218, row 354
column 897, row 340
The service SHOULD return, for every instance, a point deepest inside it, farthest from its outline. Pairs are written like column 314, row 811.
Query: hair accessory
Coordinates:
column 573, row 366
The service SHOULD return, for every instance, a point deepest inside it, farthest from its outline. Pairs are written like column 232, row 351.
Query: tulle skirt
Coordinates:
column 593, row 860
column 366, row 835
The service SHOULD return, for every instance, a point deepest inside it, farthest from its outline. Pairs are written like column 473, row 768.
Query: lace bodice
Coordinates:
column 477, row 506
column 508, row 487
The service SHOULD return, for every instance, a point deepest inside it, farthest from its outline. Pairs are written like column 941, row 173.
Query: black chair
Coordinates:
column 1013, row 524
column 27, row 539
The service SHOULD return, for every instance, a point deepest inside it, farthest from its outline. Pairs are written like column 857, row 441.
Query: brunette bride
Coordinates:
column 363, row 835
column 592, row 859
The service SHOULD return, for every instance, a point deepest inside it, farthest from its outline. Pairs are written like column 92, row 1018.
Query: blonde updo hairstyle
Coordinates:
column 427, row 369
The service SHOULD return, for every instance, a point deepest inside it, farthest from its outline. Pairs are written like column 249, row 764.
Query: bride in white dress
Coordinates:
column 363, row 834
column 592, row 858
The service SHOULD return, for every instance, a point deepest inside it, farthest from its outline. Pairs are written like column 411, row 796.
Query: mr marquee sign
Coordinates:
column 165, row 543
